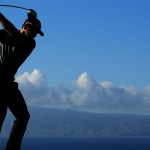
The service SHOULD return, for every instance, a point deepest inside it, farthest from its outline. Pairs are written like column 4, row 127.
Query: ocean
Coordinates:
column 83, row 143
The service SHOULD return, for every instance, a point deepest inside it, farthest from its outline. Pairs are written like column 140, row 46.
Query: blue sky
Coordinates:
column 102, row 41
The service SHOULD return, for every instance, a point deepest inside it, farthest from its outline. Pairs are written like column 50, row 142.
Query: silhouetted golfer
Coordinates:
column 15, row 46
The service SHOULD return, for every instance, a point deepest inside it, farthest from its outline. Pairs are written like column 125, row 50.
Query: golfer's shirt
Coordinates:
column 11, row 55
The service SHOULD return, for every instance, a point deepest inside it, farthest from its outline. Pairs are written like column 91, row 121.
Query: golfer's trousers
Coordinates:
column 11, row 97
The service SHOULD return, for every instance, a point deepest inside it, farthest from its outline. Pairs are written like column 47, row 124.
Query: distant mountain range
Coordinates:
column 65, row 122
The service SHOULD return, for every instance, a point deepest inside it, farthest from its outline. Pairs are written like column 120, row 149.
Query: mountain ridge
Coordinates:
column 67, row 122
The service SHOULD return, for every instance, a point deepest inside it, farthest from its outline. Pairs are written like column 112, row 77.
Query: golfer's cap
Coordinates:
column 35, row 23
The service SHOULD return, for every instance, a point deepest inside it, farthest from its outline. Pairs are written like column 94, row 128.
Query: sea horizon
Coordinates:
column 83, row 143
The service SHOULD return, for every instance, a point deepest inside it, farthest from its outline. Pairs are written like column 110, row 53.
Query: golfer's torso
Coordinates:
column 11, row 55
column 7, row 54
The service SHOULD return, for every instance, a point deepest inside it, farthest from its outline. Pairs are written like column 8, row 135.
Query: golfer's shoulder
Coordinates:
column 3, row 35
column 2, row 32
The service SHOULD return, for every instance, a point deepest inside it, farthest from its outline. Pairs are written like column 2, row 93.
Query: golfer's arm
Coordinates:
column 8, row 26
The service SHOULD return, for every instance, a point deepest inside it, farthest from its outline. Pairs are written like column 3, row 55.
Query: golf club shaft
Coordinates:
column 14, row 6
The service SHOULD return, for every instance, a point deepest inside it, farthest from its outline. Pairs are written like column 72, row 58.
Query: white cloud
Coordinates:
column 34, row 87
column 85, row 94
column 35, row 78
column 84, row 81
column 106, row 84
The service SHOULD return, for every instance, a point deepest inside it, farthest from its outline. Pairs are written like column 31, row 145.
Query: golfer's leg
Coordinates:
column 3, row 105
column 19, row 110
column 3, row 111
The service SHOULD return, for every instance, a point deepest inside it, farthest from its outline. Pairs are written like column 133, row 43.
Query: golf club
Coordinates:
column 31, row 12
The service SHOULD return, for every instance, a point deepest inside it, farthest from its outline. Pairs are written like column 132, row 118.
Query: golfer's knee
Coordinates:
column 24, row 117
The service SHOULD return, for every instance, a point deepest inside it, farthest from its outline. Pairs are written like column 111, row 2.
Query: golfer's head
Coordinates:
column 32, row 27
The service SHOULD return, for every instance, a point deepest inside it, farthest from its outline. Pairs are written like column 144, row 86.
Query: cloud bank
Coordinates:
column 85, row 94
